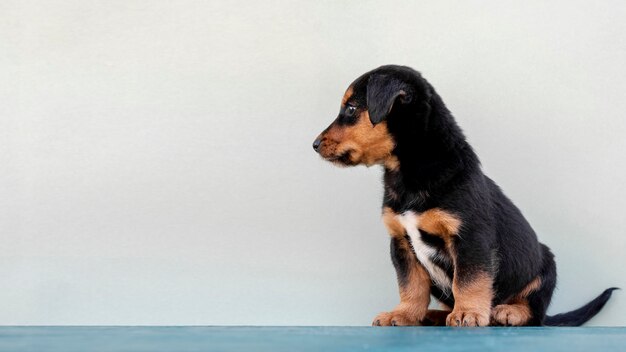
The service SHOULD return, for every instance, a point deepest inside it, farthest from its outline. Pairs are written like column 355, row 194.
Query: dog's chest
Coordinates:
column 424, row 252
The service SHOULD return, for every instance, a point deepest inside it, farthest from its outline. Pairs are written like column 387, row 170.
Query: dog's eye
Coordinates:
column 350, row 110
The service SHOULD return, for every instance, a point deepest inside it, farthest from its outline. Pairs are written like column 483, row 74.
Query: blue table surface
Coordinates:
column 328, row 339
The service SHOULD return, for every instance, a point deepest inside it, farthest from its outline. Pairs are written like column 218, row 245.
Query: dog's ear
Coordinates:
column 382, row 93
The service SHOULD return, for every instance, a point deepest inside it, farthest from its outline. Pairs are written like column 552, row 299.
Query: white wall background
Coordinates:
column 156, row 167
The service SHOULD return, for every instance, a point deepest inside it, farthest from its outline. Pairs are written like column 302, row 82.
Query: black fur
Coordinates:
column 438, row 168
column 401, row 258
column 581, row 315
column 382, row 92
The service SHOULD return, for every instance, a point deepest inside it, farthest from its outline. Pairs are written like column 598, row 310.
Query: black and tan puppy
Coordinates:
column 454, row 234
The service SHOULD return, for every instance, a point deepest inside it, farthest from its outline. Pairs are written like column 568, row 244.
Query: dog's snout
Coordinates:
column 316, row 144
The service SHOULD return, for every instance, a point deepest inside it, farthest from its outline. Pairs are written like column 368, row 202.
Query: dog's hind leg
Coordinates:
column 529, row 306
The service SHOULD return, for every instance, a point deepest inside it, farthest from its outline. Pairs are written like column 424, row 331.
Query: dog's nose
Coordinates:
column 316, row 144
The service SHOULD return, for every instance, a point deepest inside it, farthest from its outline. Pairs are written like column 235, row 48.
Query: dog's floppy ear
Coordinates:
column 382, row 92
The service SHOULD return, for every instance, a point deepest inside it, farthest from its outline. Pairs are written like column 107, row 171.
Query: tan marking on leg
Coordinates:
column 414, row 300
column 516, row 311
column 415, row 292
column 347, row 96
column 530, row 288
column 472, row 306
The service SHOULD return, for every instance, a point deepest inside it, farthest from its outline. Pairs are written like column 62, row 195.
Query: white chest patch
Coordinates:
column 424, row 252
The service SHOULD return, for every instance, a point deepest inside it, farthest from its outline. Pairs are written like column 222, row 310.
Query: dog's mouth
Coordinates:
column 342, row 159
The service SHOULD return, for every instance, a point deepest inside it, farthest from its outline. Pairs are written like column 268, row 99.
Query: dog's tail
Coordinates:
column 581, row 315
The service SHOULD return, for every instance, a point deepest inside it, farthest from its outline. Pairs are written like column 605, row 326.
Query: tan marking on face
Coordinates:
column 347, row 96
column 394, row 227
column 365, row 143
column 472, row 301
column 414, row 292
column 392, row 163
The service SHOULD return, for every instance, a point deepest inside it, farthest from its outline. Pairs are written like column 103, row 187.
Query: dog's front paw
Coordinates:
column 467, row 317
column 397, row 317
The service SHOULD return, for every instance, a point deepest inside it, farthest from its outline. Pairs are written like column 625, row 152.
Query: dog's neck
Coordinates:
column 433, row 155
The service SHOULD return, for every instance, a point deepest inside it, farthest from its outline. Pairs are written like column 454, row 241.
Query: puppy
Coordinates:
column 454, row 234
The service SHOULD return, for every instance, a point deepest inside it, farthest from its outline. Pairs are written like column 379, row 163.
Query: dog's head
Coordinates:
column 361, row 134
